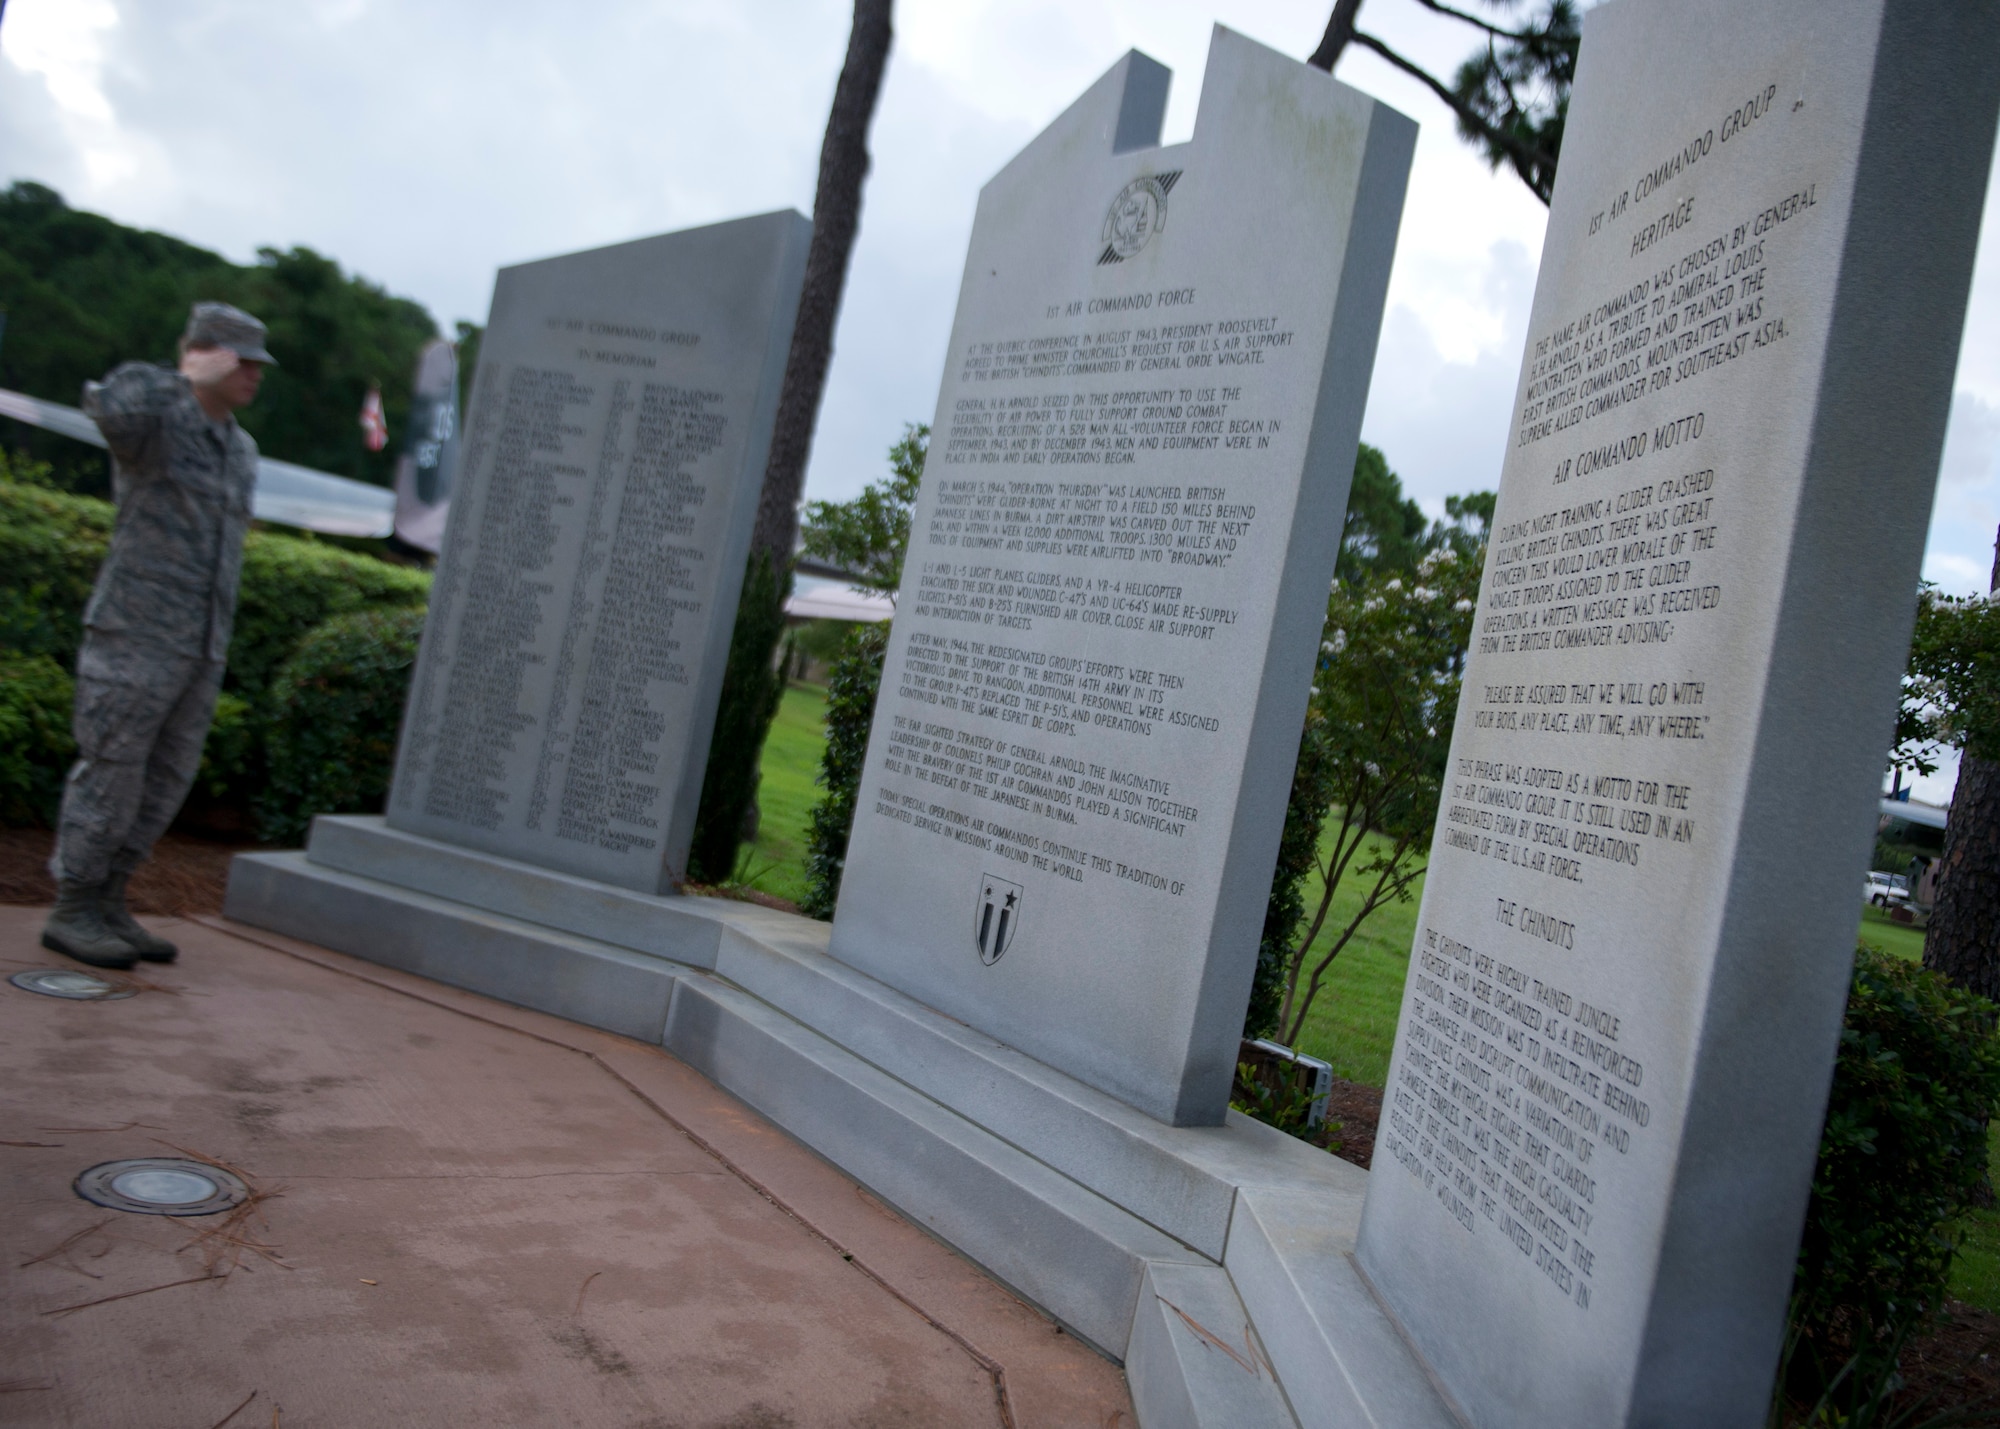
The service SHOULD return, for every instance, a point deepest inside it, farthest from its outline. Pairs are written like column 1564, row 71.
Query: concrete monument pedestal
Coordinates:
column 1129, row 1232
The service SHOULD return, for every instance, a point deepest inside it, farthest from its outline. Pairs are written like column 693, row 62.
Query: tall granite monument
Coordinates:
column 566, row 688
column 1117, row 571
column 1634, row 944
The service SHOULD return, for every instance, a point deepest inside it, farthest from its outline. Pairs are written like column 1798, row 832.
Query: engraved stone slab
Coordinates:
column 566, row 687
column 1633, row 949
column 1118, row 569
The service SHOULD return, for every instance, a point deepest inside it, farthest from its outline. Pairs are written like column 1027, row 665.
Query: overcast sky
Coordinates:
column 424, row 143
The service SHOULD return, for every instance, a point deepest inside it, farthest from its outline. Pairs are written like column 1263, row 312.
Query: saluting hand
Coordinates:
column 207, row 366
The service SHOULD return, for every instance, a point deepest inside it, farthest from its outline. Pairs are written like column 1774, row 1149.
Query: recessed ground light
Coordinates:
column 161, row 1186
column 70, row 983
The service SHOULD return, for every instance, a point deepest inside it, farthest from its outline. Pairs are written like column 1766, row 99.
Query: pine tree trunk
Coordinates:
column 1963, row 941
column 751, row 687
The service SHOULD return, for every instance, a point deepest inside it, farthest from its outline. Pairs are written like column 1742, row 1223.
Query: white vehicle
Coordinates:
column 1886, row 890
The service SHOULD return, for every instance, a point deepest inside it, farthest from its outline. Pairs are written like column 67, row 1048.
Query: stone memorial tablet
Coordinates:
column 1118, row 568
column 566, row 687
column 1633, row 949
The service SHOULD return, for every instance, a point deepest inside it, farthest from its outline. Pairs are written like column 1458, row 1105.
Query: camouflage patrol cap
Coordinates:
column 220, row 325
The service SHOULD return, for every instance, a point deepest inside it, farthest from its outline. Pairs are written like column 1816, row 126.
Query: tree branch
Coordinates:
column 1519, row 36
column 1389, row 883
column 1520, row 155
column 1339, row 30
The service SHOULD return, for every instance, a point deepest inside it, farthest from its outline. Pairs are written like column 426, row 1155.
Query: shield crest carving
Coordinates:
column 995, row 917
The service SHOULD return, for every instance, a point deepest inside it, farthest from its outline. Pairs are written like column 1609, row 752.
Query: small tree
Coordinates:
column 1372, row 757
column 866, row 537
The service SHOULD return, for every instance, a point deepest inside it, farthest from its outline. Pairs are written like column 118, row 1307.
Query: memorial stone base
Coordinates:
column 1213, row 1262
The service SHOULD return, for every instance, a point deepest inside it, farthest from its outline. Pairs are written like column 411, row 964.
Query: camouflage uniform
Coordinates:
column 157, row 626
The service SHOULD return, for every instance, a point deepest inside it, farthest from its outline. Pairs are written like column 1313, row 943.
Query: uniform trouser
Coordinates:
column 142, row 714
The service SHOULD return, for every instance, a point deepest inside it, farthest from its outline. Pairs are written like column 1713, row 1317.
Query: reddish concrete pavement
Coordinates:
column 561, row 1227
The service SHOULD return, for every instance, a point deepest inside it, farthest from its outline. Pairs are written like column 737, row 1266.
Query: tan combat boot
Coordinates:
column 118, row 918
column 76, row 928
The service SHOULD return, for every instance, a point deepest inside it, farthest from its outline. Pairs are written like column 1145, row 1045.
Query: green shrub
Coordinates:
column 232, row 757
column 35, row 744
column 291, row 585
column 331, row 720
column 850, row 710
column 51, row 545
column 1901, row 1159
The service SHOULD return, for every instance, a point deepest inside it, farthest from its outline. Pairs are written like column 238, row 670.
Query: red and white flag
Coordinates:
column 374, row 426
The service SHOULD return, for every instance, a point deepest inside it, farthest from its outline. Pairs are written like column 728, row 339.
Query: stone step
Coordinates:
column 1065, row 1248
column 1109, row 1221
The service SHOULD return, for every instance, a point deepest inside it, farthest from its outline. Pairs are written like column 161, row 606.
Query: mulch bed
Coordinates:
column 185, row 875
column 1955, row 1368
column 1357, row 1109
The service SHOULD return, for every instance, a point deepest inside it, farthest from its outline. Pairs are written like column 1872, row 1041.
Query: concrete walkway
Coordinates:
column 469, row 1215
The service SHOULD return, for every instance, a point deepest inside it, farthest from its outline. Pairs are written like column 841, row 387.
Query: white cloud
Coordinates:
column 1960, row 554
column 59, row 41
column 427, row 142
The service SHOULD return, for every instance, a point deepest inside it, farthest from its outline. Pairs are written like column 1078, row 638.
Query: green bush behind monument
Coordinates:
column 1902, row 1159
column 850, row 710
column 332, row 713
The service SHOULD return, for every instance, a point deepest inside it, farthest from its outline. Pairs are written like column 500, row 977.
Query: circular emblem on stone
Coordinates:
column 1139, row 212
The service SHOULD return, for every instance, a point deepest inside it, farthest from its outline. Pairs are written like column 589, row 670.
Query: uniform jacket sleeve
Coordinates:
column 128, row 407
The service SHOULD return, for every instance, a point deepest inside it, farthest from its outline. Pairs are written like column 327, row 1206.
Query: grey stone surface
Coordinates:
column 1117, row 572
column 565, row 692
column 579, row 978
column 1632, row 953
column 1194, row 1359
column 1341, row 1355
column 1180, row 1179
column 1072, row 1252
column 665, row 925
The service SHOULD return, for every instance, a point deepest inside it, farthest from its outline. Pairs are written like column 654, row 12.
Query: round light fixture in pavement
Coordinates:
column 162, row 1186
column 72, row 983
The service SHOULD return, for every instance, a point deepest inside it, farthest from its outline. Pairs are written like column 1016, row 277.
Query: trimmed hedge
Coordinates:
column 330, row 734
column 292, row 585
column 51, row 545
column 36, row 749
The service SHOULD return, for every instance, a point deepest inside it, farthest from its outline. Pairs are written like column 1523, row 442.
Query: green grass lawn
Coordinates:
column 1901, row 939
column 776, row 863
